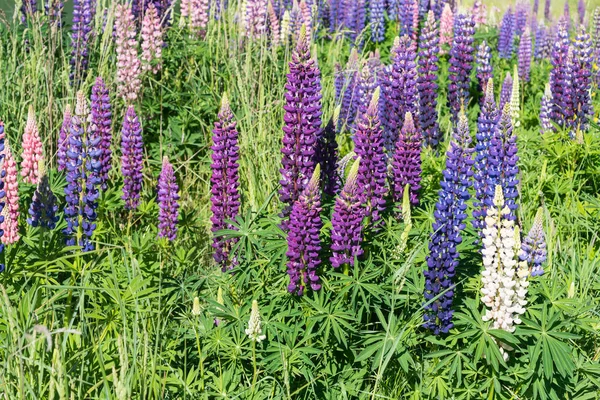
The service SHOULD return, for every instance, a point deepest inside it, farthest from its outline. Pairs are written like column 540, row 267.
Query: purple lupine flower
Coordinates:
column 533, row 247
column 506, row 37
column 449, row 215
column 302, row 124
column 486, row 126
column 505, row 91
column 566, row 17
column 28, row 9
column 424, row 7
column 255, row 18
column 521, row 15
column 541, row 38
column 581, row 72
column 326, row 155
column 63, row 141
column 406, row 165
column 546, row 111
column 43, row 209
column 83, row 18
column 536, row 6
column 368, row 145
column 560, row 77
column 54, row 11
column 168, row 202
column 484, row 65
column 225, row 183
column 427, row 85
column 346, row 222
column 132, row 149
column 401, row 90
column 349, row 98
column 525, row 56
column 376, row 20
column 596, row 41
column 547, row 10
column 393, row 9
column 303, row 239
column 359, row 19
column 101, row 125
column 461, row 63
column 502, row 162
column 409, row 11
column 581, row 11
column 2, row 187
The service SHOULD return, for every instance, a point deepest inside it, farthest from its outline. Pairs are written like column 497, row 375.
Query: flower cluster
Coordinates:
column 152, row 41
column 507, row 35
column 10, row 225
column 505, row 91
column 377, row 21
column 515, row 98
column 525, row 55
column 541, row 43
column 533, row 248
column 2, row 193
column 546, row 111
column 484, row 65
column 83, row 18
column 406, row 164
column 446, row 26
column 346, row 85
column 254, row 330
column 581, row 75
column 168, row 202
column 461, row 63
column 521, row 15
column 326, row 155
column 128, row 63
column 32, row 150
column 255, row 18
column 28, row 9
column 101, row 120
column 427, row 80
column 132, row 157
column 560, row 78
column 63, row 142
column 43, row 208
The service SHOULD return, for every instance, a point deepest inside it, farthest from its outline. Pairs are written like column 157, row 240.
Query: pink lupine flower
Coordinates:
column 199, row 17
column 255, row 18
column 446, row 27
column 186, row 11
column 10, row 225
column 32, row 150
column 273, row 24
column 128, row 63
column 152, row 41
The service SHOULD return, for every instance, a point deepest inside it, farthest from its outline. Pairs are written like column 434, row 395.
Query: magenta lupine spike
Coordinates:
column 484, row 65
column 302, row 124
column 406, row 165
column 225, row 182
column 32, row 150
column 368, row 145
column 128, row 63
column 152, row 41
column 303, row 239
column 525, row 56
column 132, row 158
column 10, row 225
column 168, row 202
column 506, row 91
column 546, row 111
column 427, row 80
column 61, row 155
column 461, row 64
column 581, row 78
column 255, row 18
column 446, row 27
column 560, row 77
column 101, row 121
column 346, row 222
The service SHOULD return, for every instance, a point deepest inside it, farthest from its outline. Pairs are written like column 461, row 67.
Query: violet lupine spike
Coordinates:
column 560, row 77
column 32, row 150
column 407, row 27
column 225, row 183
column 350, row 99
column 536, row 6
column 487, row 123
column 302, row 124
column 359, row 19
column 377, row 21
column 367, row 83
column 255, row 18
column 168, row 202
column 28, row 9
column 525, row 56
column 152, row 42
column 83, row 19
column 546, row 111
column 2, row 187
column 346, row 222
column 484, row 65
column 581, row 11
column 533, row 247
column 401, row 93
column 427, row 85
column 406, row 164
column 505, row 91
column 61, row 155
column 101, row 126
column 303, row 239
column 368, row 145
column 43, row 208
column 566, row 17
column 449, row 215
column 547, row 10
column 461, row 64
column 132, row 158
column 326, row 155
column 539, row 52
column 128, row 63
column 581, row 75
column 10, row 225
column 335, row 15
column 506, row 37
column 521, row 15
column 54, row 11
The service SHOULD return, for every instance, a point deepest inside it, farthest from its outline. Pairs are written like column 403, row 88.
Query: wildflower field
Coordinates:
column 299, row 199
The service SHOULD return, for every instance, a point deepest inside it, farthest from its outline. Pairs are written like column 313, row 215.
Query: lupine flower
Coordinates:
column 547, row 10
column 368, row 145
column 484, row 64
column 581, row 75
column 486, row 127
column 446, row 27
column 32, row 150
column 2, row 193
column 54, row 11
column 540, row 43
column 506, row 91
column 427, row 85
column 132, row 148
column 185, row 13
column 273, row 24
column 303, row 239
column 101, row 127
column 407, row 14
column 326, row 155
column 560, row 77
column 521, row 14
column 61, row 155
column 406, row 165
column 515, row 99
column 449, row 222
column 254, row 330
column 83, row 18
column 302, row 124
column 43, row 209
column 401, row 93
column 366, row 85
column 479, row 12
column 581, row 11
column 285, row 27
column 348, row 80
column 152, row 41
column 199, row 17
column 546, row 111
column 346, row 222
column 525, row 56
column 596, row 38
column 567, row 15
column 10, row 225
column 461, row 63
column 168, row 202
column 507, row 35
column 255, row 18
column 28, row 9
column 377, row 21
column 306, row 14
column 225, row 182
column 128, row 63
column 533, row 248
column 504, row 278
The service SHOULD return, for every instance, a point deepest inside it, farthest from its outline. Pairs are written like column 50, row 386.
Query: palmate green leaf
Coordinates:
column 330, row 316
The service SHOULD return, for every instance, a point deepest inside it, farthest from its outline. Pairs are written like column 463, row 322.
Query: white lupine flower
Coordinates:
column 515, row 98
column 285, row 27
column 254, row 330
